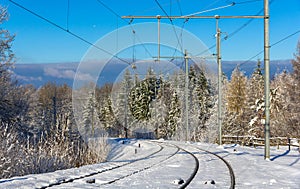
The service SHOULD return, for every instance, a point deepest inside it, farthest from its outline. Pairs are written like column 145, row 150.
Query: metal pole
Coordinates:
column 219, row 80
column 267, row 78
column 126, row 113
column 158, row 36
column 186, row 94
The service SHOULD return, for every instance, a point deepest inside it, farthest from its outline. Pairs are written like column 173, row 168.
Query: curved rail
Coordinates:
column 162, row 145
column 189, row 180
column 232, row 176
column 99, row 172
column 145, row 168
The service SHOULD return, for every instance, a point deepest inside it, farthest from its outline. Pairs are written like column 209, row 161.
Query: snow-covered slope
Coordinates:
column 145, row 164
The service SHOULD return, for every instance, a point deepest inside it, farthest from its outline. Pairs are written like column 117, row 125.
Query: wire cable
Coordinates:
column 230, row 35
column 111, row 10
column 68, row 14
column 213, row 9
column 245, row 2
column 272, row 45
column 68, row 31
column 179, row 7
column 173, row 26
column 129, row 23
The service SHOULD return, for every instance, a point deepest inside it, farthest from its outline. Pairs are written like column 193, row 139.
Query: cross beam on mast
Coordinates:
column 191, row 17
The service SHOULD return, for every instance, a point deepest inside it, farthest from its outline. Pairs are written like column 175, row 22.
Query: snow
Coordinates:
column 166, row 168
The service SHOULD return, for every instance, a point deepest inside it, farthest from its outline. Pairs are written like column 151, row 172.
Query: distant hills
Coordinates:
column 59, row 73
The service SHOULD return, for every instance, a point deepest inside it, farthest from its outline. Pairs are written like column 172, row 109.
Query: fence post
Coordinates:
column 289, row 143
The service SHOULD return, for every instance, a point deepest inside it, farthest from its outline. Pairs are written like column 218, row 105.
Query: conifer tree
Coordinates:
column 255, row 102
column 142, row 95
column 107, row 117
column 200, row 102
column 174, row 115
column 121, row 106
column 90, row 118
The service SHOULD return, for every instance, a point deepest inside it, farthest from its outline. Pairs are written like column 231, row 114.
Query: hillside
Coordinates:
column 59, row 73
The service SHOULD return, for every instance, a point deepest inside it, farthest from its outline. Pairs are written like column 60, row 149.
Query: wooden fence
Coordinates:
column 253, row 141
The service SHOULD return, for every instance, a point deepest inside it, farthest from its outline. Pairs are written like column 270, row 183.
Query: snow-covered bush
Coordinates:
column 47, row 155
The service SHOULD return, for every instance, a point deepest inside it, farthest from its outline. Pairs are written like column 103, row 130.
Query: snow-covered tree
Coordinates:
column 142, row 95
column 200, row 102
column 177, row 83
column 90, row 116
column 107, row 115
column 12, row 104
column 255, row 102
column 120, row 104
column 285, row 101
column 234, row 119
column 174, row 115
column 294, row 121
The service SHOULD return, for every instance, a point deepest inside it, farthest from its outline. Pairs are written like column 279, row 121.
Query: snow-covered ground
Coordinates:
column 129, row 167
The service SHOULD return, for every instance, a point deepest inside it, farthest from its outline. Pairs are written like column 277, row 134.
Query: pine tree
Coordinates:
column 255, row 102
column 107, row 117
column 200, row 102
column 174, row 115
column 177, row 83
column 121, row 106
column 142, row 95
column 90, row 118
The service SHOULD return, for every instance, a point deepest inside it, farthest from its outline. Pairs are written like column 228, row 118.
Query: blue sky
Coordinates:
column 40, row 42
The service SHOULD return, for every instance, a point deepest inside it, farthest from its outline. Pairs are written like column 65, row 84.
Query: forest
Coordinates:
column 40, row 132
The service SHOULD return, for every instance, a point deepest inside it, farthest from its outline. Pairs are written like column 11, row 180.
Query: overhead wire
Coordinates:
column 68, row 13
column 127, row 22
column 181, row 32
column 170, row 7
column 179, row 6
column 209, row 10
column 179, row 43
column 181, row 39
column 182, row 27
column 272, row 45
column 171, row 21
column 68, row 31
column 230, row 35
column 246, row 2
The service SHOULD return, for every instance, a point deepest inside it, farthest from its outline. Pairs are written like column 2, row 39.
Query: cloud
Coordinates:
column 84, row 77
column 64, row 74
column 28, row 78
column 67, row 74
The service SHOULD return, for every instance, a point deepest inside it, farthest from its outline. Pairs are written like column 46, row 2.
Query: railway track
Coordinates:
column 160, row 161
column 117, row 166
column 134, row 167
column 209, row 157
column 157, row 166
column 230, row 170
